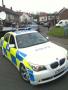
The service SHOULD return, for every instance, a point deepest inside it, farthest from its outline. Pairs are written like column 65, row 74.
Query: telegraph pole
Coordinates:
column 2, row 3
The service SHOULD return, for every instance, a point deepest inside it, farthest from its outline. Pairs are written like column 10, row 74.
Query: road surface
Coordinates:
column 11, row 80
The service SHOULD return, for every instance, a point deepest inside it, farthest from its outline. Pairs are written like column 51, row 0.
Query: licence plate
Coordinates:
column 59, row 70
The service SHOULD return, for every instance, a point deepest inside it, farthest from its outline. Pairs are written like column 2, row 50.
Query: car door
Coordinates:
column 12, row 50
column 5, row 43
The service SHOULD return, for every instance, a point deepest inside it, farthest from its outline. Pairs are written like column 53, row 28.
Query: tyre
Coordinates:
column 24, row 73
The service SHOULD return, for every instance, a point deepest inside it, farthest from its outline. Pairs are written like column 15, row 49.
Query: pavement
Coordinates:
column 11, row 80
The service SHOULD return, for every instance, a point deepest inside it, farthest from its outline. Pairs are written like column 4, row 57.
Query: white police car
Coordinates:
column 37, row 59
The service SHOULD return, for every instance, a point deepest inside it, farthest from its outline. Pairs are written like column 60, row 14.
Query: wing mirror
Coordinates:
column 2, row 38
column 11, row 45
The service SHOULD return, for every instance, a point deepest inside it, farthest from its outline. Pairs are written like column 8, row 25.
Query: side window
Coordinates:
column 6, row 37
column 12, row 40
column 60, row 22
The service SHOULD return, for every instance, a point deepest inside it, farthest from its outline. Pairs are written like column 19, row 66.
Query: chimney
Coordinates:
column 4, row 6
column 11, row 8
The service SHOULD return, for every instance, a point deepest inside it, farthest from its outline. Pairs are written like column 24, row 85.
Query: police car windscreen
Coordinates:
column 30, row 39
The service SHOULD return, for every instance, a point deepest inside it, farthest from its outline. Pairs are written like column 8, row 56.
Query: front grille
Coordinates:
column 54, row 65
column 62, row 61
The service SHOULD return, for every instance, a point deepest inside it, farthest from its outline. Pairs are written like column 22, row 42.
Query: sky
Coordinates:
column 34, row 6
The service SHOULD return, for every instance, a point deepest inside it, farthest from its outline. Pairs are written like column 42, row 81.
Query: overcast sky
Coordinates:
column 48, row 6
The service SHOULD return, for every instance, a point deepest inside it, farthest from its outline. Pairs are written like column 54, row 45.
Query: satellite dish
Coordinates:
column 2, row 15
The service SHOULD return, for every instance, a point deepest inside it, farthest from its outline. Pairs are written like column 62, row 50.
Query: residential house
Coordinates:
column 25, row 17
column 63, row 14
column 42, row 16
column 52, row 18
column 11, row 16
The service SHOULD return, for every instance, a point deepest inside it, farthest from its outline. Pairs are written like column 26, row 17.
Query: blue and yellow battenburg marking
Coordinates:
column 31, row 76
column 16, row 56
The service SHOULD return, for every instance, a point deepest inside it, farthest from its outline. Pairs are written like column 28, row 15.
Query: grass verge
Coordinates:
column 57, row 31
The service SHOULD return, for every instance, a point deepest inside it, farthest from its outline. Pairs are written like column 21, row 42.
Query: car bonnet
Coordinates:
column 44, row 54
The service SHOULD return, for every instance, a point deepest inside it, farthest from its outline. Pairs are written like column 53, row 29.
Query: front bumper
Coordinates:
column 49, row 75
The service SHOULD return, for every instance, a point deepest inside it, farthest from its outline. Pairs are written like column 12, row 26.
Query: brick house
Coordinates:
column 55, row 17
column 63, row 14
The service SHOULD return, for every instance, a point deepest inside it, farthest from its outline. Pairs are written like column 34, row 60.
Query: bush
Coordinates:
column 56, row 31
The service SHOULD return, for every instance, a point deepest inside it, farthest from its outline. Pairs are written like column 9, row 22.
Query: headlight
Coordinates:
column 38, row 67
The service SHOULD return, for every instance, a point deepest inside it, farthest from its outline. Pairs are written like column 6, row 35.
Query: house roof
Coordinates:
column 21, row 13
column 62, row 10
column 42, row 14
column 10, row 11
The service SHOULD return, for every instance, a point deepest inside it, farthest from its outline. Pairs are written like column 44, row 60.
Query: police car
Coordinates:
column 37, row 59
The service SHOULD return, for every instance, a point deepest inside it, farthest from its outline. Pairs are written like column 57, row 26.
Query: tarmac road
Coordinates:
column 11, row 80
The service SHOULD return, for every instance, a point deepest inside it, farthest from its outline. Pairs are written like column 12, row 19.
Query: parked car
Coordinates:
column 37, row 59
column 33, row 25
column 62, row 23
column 46, row 24
column 41, row 22
column 30, row 26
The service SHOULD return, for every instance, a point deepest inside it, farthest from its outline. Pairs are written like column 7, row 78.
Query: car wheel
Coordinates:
column 24, row 73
